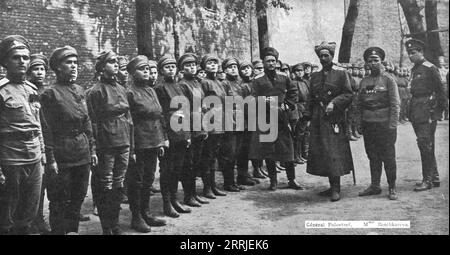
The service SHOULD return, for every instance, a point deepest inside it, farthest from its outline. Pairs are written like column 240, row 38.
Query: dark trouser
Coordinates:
column 21, row 198
column 66, row 193
column 379, row 142
column 242, row 156
column 171, row 168
column 272, row 170
column 140, row 178
column 301, row 139
column 209, row 154
column 192, row 165
column 40, row 213
column 231, row 146
column 425, row 133
column 109, row 176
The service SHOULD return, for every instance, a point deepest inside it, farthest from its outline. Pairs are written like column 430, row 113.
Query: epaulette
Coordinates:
column 281, row 73
column 427, row 64
column 258, row 76
column 3, row 82
column 31, row 85
column 338, row 67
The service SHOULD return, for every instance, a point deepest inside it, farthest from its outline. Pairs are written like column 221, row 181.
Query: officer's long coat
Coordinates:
column 282, row 149
column 329, row 148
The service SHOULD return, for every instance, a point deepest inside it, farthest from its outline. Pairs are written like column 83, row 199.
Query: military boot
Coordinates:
column 214, row 189
column 114, row 210
column 392, row 192
column 167, row 205
column 189, row 199
column 425, row 185
column 370, row 191
column 195, row 195
column 102, row 200
column 151, row 220
column 137, row 222
column 228, row 177
column 207, row 192
column 335, row 189
column 173, row 197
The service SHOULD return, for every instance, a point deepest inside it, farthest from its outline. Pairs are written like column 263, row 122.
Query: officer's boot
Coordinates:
column 151, row 220
column 425, row 154
column 207, row 191
column 188, row 192
column 173, row 197
column 257, row 170
column 335, row 183
column 194, row 193
column 103, row 209
column 214, row 189
column 392, row 192
column 228, row 177
column 137, row 222
column 167, row 205
column 39, row 225
column 297, row 151
column 114, row 208
column 272, row 175
column 305, row 147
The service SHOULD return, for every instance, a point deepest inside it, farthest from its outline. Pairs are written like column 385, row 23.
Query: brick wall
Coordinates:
column 218, row 30
column 89, row 26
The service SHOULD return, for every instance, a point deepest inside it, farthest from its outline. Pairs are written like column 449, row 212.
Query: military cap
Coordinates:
column 374, row 51
column 257, row 62
column 122, row 60
column 270, row 51
column 165, row 60
column 137, row 62
column 38, row 59
column 59, row 54
column 285, row 66
column 10, row 43
column 414, row 44
column 187, row 58
column 315, row 65
column 207, row 58
column 305, row 64
column 228, row 62
column 297, row 67
column 244, row 64
column 330, row 46
column 152, row 64
column 103, row 58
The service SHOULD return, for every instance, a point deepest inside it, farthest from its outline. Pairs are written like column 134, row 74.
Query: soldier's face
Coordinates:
column 111, row 67
column 299, row 73
column 122, row 75
column 355, row 71
column 247, row 71
column 201, row 74
column 415, row 55
column 270, row 63
column 37, row 73
column 307, row 70
column 190, row 68
column 142, row 73
column 362, row 72
column 153, row 73
column 374, row 62
column 68, row 68
column 259, row 69
column 232, row 70
column 212, row 66
column 18, row 61
column 169, row 70
column 325, row 57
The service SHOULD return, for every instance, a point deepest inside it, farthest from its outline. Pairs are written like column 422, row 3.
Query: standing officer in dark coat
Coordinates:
column 329, row 148
column 21, row 142
column 69, row 141
column 150, row 138
column 113, row 131
column 427, row 104
column 272, row 84
column 379, row 106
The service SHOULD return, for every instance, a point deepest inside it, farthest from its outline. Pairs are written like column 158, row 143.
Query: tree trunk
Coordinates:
column 434, row 42
column 263, row 35
column 414, row 20
column 347, row 32
column 144, row 28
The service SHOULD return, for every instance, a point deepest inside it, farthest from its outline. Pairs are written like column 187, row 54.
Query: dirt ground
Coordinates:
column 258, row 211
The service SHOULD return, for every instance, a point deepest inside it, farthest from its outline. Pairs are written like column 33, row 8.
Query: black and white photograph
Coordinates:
column 239, row 119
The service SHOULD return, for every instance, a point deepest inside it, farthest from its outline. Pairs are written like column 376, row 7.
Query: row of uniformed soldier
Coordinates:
column 122, row 129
